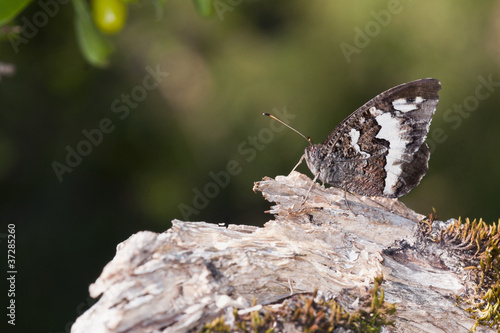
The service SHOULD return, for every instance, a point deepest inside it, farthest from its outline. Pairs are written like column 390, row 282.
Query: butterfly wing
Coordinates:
column 379, row 149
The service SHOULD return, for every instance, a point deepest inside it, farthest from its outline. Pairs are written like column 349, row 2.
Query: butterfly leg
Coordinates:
column 310, row 187
column 346, row 201
column 300, row 161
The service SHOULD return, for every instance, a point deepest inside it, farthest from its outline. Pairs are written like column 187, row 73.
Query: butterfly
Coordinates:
column 379, row 150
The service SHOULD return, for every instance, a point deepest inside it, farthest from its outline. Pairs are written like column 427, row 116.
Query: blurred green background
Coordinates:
column 316, row 60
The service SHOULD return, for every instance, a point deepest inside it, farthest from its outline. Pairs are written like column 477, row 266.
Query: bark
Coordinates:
column 194, row 272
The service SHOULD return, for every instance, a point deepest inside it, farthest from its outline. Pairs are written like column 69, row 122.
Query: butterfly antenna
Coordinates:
column 290, row 127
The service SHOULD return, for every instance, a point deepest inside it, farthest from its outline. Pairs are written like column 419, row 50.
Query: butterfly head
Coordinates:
column 314, row 155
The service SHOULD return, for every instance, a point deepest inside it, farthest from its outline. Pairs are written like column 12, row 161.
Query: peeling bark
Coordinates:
column 194, row 272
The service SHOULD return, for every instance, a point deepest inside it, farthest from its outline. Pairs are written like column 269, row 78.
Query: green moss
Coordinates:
column 217, row 325
column 477, row 245
column 313, row 314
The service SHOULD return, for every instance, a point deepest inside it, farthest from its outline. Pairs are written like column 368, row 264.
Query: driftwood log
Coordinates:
column 195, row 272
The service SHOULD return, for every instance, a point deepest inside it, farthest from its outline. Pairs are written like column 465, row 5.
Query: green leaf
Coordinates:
column 93, row 45
column 10, row 8
column 204, row 7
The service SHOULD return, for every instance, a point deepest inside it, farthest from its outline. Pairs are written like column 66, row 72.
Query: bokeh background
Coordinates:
column 307, row 59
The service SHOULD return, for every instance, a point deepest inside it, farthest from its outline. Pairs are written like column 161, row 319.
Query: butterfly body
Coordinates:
column 379, row 149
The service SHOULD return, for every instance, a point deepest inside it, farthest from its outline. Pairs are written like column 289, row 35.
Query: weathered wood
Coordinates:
column 195, row 271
